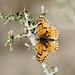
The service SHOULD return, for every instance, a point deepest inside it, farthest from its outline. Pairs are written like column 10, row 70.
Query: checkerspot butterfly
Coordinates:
column 47, row 41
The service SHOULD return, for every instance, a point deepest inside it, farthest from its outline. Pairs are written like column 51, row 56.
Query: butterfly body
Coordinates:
column 47, row 40
column 43, row 39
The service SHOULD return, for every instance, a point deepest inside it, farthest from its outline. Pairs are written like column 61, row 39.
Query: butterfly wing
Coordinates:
column 43, row 23
column 52, row 33
column 52, row 46
column 42, row 54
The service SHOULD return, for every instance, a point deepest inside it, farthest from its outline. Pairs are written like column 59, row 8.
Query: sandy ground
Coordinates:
column 19, row 61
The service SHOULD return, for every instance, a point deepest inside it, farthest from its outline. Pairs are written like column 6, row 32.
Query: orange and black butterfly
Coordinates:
column 47, row 39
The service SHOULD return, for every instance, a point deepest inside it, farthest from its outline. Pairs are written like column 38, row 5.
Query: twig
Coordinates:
column 26, row 24
column 33, row 26
column 46, row 70
column 34, row 42
column 18, row 36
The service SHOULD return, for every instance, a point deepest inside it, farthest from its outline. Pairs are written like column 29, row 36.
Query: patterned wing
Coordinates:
column 42, row 54
column 43, row 23
column 52, row 46
column 52, row 33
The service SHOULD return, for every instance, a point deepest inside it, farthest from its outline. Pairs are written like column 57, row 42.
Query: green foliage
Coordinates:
column 42, row 69
column 50, row 69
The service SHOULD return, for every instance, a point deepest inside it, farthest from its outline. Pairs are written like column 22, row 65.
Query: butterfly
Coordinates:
column 47, row 41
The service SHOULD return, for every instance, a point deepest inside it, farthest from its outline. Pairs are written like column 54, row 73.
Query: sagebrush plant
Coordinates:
column 29, row 24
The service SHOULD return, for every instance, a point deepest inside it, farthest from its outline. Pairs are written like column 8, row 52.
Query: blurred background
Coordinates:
column 61, row 13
